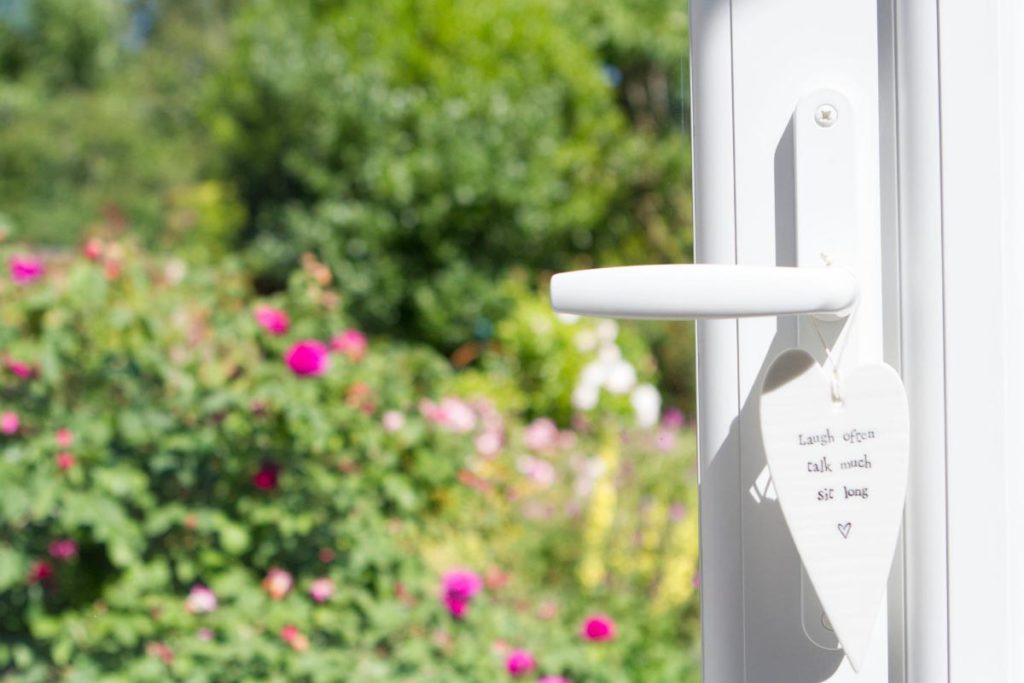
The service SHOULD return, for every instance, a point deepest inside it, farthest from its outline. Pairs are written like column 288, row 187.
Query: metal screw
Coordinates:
column 824, row 617
column 826, row 116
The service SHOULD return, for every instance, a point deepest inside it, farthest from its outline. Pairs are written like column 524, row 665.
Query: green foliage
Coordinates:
column 419, row 148
column 150, row 401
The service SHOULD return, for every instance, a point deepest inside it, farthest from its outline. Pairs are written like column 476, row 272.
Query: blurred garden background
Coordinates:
column 281, row 394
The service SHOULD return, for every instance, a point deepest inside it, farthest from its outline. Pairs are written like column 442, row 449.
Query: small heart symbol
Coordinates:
column 835, row 465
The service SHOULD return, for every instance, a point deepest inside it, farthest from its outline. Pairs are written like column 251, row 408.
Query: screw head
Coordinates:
column 826, row 115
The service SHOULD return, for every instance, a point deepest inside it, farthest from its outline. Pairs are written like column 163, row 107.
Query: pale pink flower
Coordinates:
column 665, row 439
column 273, row 320
column 598, row 628
column 553, row 679
column 538, row 470
column 205, row 634
column 64, row 437
column 541, row 434
column 25, row 269
column 351, row 343
column 63, row 549
column 488, row 443
column 277, row 583
column 321, row 589
column 457, row 590
column 308, row 358
column 392, row 420
column 9, row 423
column 200, row 600
column 452, row 414
column 520, row 662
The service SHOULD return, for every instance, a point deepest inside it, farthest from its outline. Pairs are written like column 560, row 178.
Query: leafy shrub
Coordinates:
column 193, row 492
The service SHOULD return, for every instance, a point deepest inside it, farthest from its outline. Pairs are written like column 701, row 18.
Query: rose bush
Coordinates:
column 200, row 484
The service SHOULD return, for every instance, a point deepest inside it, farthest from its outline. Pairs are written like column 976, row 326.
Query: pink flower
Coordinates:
column 553, row 679
column 541, row 434
column 458, row 588
column 41, row 572
column 25, row 269
column 65, row 438
column 295, row 638
column 273, row 320
column 204, row 634
column 9, row 423
column 200, row 600
column 19, row 369
column 277, row 583
column 673, row 419
column 520, row 662
column 452, row 414
column 352, row 343
column 266, row 477
column 307, row 358
column 321, row 589
column 65, row 461
column 598, row 628
column 63, row 549
column 392, row 421
column 93, row 249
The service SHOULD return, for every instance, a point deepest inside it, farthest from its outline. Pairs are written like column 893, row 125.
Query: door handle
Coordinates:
column 690, row 292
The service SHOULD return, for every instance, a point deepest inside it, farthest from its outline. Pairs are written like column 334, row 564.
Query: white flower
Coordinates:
column 585, row 396
column 646, row 405
column 607, row 330
column 567, row 318
column 586, row 341
column 621, row 378
column 609, row 354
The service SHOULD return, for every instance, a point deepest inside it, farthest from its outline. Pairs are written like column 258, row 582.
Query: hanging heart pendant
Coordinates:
column 840, row 471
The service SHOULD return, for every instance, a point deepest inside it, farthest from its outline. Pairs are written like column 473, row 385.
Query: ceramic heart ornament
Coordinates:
column 840, row 471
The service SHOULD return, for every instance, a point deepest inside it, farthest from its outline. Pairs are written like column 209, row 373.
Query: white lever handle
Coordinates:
column 688, row 292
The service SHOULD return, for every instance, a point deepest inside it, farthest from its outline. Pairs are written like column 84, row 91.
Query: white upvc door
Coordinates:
column 935, row 91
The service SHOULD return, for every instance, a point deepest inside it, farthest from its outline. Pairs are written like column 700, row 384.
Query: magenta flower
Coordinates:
column 520, row 662
column 457, row 590
column 200, row 600
column 541, row 434
column 277, row 583
column 307, row 358
column 19, row 369
column 63, row 549
column 9, row 423
column 598, row 628
column 273, row 320
column 673, row 419
column 321, row 589
column 266, row 477
column 41, row 572
column 351, row 343
column 25, row 269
